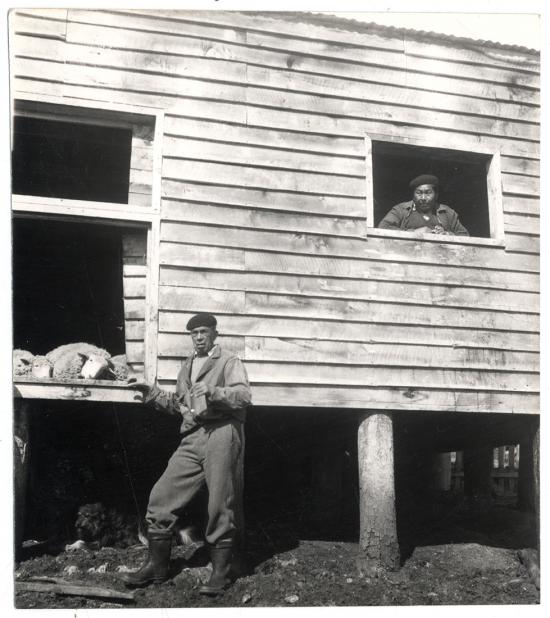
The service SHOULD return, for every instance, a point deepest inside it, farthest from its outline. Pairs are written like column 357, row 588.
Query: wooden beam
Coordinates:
column 83, row 390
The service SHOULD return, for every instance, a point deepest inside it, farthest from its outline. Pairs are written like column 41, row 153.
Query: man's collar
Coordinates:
column 209, row 353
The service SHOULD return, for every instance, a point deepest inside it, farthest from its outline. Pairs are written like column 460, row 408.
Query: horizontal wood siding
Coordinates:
column 134, row 258
column 263, row 215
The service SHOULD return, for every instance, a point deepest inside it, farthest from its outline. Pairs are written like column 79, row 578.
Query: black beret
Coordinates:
column 202, row 319
column 424, row 179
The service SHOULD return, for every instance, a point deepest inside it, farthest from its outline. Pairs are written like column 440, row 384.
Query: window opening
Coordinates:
column 463, row 179
column 71, row 160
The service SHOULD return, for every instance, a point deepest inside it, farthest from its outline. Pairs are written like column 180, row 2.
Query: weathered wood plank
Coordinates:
column 134, row 244
column 134, row 309
column 386, row 248
column 481, row 53
column 402, row 377
column 215, row 151
column 247, row 217
column 514, row 223
column 396, row 399
column 395, row 268
column 406, row 399
column 521, row 205
column 364, row 311
column 135, row 351
column 110, row 77
column 85, row 390
column 335, row 124
column 258, row 177
column 356, row 63
column 244, row 134
column 180, row 346
column 360, row 332
column 272, row 349
column 308, row 145
column 279, row 200
column 163, row 64
column 520, row 185
column 40, row 22
column 134, row 330
column 323, row 94
column 134, row 287
column 360, row 289
column 522, row 243
column 193, row 300
column 197, row 256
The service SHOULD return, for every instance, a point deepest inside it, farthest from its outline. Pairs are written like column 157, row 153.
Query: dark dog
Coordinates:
column 99, row 526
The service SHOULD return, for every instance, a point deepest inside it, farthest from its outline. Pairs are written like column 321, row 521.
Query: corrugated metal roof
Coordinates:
column 348, row 23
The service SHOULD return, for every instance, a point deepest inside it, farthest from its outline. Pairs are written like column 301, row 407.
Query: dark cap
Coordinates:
column 202, row 319
column 424, row 179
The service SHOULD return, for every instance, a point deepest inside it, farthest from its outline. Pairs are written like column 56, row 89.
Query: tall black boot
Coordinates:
column 222, row 573
column 156, row 568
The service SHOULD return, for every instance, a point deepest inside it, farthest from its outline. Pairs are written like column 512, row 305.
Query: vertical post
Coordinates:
column 442, row 471
column 526, row 474
column 478, row 478
column 21, row 452
column 378, row 546
column 512, row 457
column 501, row 457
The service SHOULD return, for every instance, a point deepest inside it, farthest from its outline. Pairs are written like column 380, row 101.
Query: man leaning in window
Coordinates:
column 424, row 213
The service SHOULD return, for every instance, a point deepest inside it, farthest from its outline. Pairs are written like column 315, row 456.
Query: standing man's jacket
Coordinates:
column 228, row 391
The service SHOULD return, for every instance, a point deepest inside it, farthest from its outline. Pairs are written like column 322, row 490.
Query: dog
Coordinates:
column 99, row 526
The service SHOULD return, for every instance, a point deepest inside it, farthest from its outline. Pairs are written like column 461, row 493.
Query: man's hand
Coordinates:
column 139, row 385
column 423, row 230
column 199, row 388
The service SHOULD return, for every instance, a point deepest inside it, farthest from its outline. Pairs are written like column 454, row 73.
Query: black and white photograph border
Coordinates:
column 465, row 517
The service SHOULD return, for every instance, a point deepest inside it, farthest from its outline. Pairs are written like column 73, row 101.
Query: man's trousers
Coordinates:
column 213, row 454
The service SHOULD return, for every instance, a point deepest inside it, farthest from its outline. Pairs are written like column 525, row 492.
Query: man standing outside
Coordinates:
column 424, row 214
column 211, row 396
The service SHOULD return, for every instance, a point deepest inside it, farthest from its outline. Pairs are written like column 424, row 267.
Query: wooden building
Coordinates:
column 240, row 162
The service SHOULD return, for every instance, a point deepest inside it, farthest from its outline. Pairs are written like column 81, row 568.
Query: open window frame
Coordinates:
column 493, row 184
column 144, row 215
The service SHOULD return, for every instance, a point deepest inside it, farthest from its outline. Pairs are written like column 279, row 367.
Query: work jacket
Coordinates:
column 228, row 391
column 398, row 217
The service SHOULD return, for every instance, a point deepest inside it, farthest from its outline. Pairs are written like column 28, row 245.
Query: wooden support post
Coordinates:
column 378, row 546
column 478, row 480
column 501, row 457
column 442, row 471
column 526, row 474
column 511, row 457
column 21, row 452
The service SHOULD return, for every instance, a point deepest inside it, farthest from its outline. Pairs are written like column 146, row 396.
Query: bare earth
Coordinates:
column 481, row 566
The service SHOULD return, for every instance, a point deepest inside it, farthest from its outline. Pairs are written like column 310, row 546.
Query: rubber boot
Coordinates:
column 222, row 574
column 156, row 568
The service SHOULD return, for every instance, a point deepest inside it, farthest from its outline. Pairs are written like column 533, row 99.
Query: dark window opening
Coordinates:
column 70, row 160
column 67, row 285
column 462, row 177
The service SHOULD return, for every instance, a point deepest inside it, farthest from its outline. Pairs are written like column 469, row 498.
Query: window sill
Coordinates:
column 435, row 238
column 81, row 208
column 76, row 390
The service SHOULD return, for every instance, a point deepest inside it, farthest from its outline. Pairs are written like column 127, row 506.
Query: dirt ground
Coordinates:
column 447, row 560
